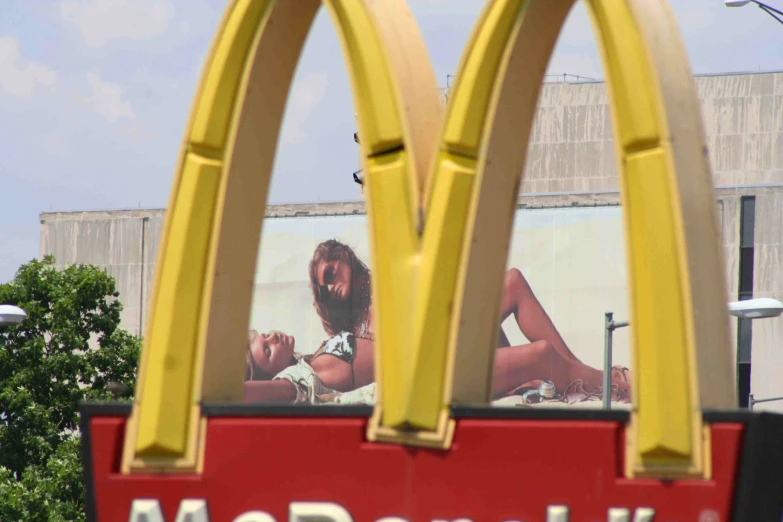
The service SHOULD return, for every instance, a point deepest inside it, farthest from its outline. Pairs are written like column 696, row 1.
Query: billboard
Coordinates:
column 566, row 268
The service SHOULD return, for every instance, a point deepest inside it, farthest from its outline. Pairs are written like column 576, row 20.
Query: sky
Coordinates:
column 95, row 95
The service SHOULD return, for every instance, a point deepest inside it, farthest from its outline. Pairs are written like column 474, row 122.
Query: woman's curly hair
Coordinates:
column 341, row 315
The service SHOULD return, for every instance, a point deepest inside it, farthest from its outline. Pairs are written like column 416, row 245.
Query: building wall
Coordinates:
column 571, row 163
column 125, row 243
column 767, row 354
column 572, row 147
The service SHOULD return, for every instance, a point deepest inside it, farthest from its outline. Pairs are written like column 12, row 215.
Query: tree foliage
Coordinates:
column 67, row 350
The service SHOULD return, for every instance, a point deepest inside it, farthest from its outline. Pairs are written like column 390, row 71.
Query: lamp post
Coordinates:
column 11, row 315
column 610, row 325
column 747, row 310
column 771, row 11
column 762, row 308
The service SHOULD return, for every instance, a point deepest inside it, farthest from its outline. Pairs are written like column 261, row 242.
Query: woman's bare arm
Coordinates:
column 278, row 390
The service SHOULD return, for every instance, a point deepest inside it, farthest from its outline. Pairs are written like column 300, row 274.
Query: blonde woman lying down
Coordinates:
column 343, row 363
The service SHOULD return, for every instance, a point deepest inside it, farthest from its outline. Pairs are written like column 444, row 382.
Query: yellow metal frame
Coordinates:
column 441, row 192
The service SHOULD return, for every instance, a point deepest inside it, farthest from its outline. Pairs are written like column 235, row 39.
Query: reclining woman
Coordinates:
column 340, row 282
column 345, row 362
column 276, row 373
column 342, row 298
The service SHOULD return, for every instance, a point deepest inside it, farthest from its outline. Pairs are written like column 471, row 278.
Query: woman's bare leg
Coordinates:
column 532, row 319
column 502, row 339
column 517, row 365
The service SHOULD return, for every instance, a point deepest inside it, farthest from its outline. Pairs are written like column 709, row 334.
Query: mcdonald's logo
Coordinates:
column 441, row 187
column 148, row 510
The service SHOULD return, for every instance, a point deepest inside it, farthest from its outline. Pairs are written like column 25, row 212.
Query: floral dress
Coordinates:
column 309, row 387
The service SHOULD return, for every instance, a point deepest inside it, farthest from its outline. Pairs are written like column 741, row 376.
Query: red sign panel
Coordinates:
column 263, row 463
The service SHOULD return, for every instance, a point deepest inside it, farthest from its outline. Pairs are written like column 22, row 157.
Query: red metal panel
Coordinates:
column 496, row 470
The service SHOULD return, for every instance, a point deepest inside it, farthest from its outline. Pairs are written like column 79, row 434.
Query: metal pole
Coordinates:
column 608, row 328
column 610, row 325
column 768, row 7
column 752, row 401
column 769, row 10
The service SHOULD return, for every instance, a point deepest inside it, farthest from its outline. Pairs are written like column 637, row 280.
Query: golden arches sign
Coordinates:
column 441, row 192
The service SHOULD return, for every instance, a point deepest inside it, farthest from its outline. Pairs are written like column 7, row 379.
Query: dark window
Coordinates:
column 744, row 327
column 746, row 273
column 748, row 223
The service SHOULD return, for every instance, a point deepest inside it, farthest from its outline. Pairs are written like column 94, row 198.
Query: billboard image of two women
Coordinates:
column 312, row 324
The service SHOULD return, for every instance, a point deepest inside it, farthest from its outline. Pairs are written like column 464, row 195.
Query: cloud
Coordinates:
column 19, row 77
column 107, row 99
column 54, row 143
column 306, row 96
column 100, row 21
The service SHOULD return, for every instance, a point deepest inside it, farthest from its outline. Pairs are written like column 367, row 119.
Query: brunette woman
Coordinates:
column 342, row 297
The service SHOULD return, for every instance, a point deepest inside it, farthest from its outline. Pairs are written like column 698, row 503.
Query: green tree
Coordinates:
column 67, row 350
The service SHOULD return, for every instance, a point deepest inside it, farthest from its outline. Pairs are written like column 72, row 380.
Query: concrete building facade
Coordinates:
column 571, row 163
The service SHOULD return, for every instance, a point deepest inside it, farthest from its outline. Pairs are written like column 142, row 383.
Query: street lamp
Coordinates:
column 771, row 11
column 11, row 315
column 756, row 308
column 761, row 308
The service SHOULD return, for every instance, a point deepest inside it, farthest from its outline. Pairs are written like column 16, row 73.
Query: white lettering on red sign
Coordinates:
column 190, row 510
column 317, row 512
column 557, row 514
column 255, row 516
column 195, row 510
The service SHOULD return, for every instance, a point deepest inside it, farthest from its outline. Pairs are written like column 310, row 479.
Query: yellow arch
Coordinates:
column 675, row 266
column 210, row 241
column 458, row 197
